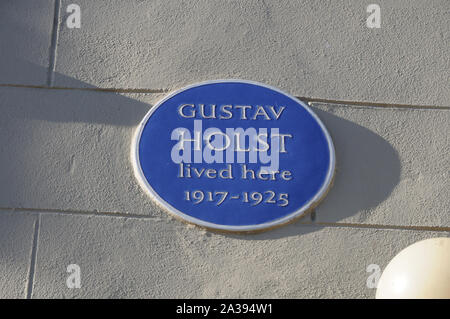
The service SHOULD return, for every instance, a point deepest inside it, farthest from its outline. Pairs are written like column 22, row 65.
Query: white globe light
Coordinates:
column 421, row 270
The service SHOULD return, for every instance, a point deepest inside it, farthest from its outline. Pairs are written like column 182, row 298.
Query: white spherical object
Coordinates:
column 421, row 270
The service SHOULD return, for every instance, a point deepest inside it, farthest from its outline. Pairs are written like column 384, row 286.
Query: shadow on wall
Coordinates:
column 24, row 38
column 83, row 105
column 367, row 170
column 368, row 167
column 49, row 161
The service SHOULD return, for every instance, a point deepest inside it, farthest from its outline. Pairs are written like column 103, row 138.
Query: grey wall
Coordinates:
column 70, row 100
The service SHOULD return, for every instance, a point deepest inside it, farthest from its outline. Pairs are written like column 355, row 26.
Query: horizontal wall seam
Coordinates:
column 374, row 104
column 380, row 226
column 154, row 218
column 303, row 98
column 75, row 212
column 95, row 89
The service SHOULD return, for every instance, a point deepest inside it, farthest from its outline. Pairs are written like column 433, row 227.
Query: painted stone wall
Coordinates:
column 71, row 98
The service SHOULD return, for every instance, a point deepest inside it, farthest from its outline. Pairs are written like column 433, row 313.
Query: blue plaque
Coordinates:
column 233, row 155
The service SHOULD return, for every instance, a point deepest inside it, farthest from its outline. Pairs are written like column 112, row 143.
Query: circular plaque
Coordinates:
column 233, row 155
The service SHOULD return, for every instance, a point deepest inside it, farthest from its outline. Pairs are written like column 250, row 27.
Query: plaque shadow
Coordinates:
column 367, row 170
